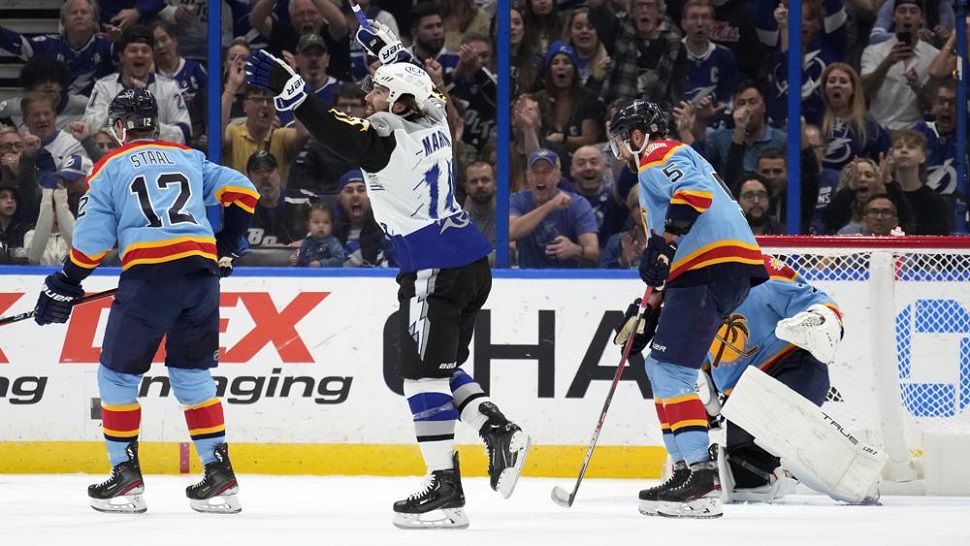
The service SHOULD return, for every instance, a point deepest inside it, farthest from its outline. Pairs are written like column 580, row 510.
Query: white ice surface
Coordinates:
column 277, row 511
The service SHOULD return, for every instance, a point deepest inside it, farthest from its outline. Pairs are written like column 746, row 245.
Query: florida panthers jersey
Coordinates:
column 149, row 197
column 677, row 183
column 413, row 197
column 747, row 337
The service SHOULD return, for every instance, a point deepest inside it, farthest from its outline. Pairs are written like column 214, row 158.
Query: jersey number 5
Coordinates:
column 175, row 213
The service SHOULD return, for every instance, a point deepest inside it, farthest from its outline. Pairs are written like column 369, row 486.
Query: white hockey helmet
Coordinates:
column 405, row 79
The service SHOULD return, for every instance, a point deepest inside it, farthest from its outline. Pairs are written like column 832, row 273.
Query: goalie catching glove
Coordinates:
column 645, row 330
column 380, row 42
column 818, row 330
column 266, row 71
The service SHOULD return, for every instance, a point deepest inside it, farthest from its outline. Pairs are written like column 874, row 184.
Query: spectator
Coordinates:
column 588, row 170
column 828, row 179
column 542, row 23
column 894, row 71
column 11, row 152
column 86, row 55
column 708, row 69
column 859, row 180
column 772, row 165
column 941, row 175
column 593, row 61
column 879, row 217
column 461, row 18
column 40, row 118
column 119, row 15
column 321, row 17
column 258, row 131
column 428, row 37
column 945, row 64
column 931, row 215
column 137, row 59
column 524, row 53
column 480, row 189
column 939, row 21
column 572, row 116
column 363, row 240
column 235, row 60
column 49, row 76
column 358, row 55
column 12, row 227
column 754, row 196
column 275, row 221
column 189, row 20
column 312, row 61
column 623, row 250
column 320, row 248
column 823, row 43
column 18, row 168
column 526, row 126
column 603, row 16
column 734, row 29
column 475, row 90
column 50, row 240
column 645, row 56
column 552, row 228
column 849, row 130
column 190, row 76
column 316, row 170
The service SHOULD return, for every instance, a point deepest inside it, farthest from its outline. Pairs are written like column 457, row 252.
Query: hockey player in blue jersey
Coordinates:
column 149, row 198
column 702, row 260
column 405, row 153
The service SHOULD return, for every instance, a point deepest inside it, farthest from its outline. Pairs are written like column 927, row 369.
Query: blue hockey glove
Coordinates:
column 655, row 262
column 266, row 71
column 644, row 331
column 380, row 42
column 57, row 299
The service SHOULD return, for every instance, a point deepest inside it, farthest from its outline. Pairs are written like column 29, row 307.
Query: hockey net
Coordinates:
column 903, row 368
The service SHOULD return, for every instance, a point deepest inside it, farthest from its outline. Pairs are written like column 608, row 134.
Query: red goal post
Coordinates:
column 902, row 370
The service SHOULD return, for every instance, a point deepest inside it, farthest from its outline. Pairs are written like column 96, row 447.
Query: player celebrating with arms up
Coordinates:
column 702, row 254
column 405, row 153
column 150, row 197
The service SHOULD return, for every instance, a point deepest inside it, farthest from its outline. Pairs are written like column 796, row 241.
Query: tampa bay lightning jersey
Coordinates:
column 747, row 337
column 714, row 74
column 941, row 171
column 149, row 197
column 413, row 197
column 85, row 64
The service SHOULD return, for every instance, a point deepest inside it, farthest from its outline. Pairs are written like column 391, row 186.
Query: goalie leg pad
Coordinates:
column 816, row 447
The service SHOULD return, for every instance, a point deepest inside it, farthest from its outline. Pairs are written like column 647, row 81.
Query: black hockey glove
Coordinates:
column 645, row 331
column 57, row 299
column 229, row 252
column 266, row 71
column 655, row 262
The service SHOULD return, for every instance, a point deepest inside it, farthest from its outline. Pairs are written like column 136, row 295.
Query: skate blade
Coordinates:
column 226, row 503
column 442, row 518
column 132, row 503
column 648, row 508
column 702, row 508
column 519, row 446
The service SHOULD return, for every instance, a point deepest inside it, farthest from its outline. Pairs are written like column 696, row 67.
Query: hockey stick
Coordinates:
column 559, row 495
column 361, row 18
column 30, row 314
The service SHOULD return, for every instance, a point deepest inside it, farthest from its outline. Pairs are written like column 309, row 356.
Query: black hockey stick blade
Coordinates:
column 30, row 314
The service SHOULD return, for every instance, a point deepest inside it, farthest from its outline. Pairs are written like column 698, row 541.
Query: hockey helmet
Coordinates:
column 639, row 114
column 136, row 108
column 403, row 79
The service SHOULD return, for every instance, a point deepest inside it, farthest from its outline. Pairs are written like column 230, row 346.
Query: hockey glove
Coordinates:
column 655, row 262
column 644, row 331
column 266, row 71
column 57, row 299
column 818, row 330
column 380, row 42
column 229, row 252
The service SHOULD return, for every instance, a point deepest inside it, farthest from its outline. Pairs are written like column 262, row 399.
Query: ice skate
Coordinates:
column 507, row 447
column 217, row 492
column 699, row 497
column 648, row 497
column 122, row 491
column 437, row 505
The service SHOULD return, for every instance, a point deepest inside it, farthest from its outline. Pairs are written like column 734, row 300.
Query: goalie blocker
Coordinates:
column 810, row 442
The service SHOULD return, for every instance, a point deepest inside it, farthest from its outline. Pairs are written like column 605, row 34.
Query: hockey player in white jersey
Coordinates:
column 405, row 153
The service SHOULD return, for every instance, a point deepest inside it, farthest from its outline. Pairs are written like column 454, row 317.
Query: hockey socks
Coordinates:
column 683, row 410
column 668, row 435
column 469, row 396
column 207, row 428
column 120, row 411
column 434, row 413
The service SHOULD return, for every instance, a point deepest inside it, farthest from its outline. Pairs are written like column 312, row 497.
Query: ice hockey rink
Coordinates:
column 53, row 509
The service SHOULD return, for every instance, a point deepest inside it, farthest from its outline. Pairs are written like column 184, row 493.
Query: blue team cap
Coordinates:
column 544, row 154
column 74, row 168
column 558, row 47
column 353, row 175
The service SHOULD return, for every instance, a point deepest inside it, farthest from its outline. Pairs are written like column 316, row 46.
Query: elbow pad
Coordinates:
column 678, row 227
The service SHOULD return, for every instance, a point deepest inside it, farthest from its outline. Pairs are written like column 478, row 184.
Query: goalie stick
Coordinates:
column 30, row 314
column 559, row 495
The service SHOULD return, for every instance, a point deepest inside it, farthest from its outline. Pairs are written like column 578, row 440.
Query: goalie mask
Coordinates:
column 639, row 114
column 402, row 79
column 136, row 109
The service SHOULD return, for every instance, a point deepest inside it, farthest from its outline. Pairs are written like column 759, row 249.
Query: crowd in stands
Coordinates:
column 877, row 129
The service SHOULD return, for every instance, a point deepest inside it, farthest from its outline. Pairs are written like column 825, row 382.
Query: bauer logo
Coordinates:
column 930, row 335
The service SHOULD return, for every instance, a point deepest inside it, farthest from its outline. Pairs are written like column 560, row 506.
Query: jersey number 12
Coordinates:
column 175, row 213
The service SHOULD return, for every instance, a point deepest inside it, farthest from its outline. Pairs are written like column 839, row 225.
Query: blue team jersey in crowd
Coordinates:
column 676, row 182
column 941, row 171
column 149, row 197
column 191, row 77
column 749, row 332
column 714, row 73
column 85, row 65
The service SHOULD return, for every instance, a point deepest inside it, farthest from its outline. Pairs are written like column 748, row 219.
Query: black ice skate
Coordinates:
column 216, row 493
column 699, row 497
column 648, row 497
column 122, row 491
column 506, row 446
column 437, row 505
